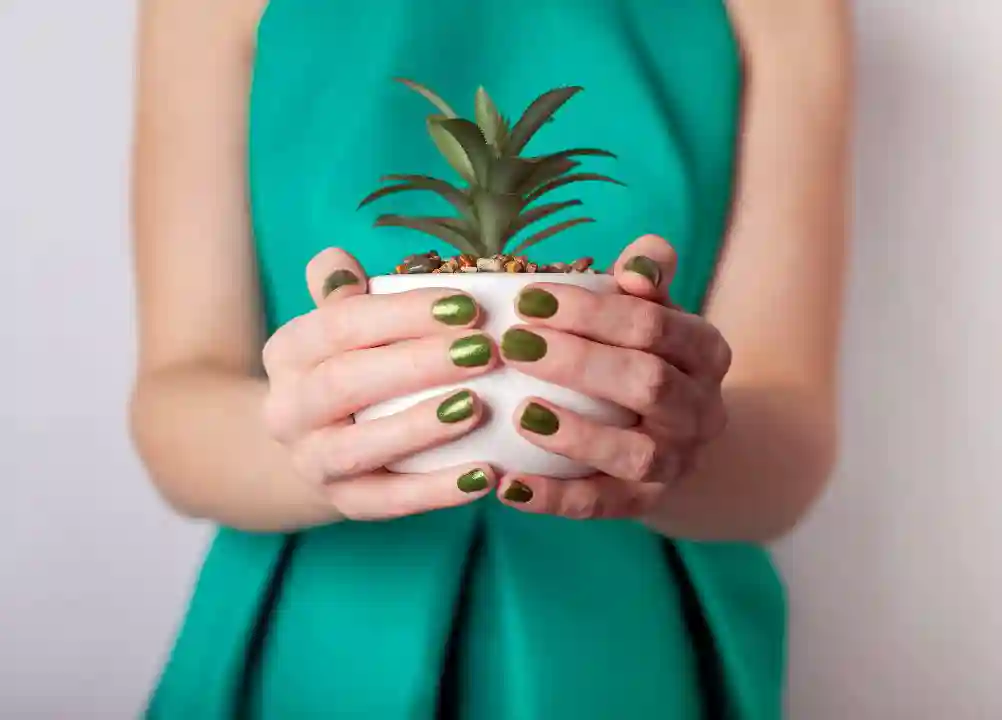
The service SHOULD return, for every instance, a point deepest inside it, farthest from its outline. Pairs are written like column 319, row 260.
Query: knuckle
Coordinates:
column 305, row 465
column 581, row 504
column 273, row 353
column 277, row 415
column 322, row 458
column 653, row 381
column 647, row 326
column 641, row 459
column 720, row 355
column 339, row 462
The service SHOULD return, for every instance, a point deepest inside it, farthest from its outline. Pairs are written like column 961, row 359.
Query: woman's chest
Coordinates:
column 328, row 122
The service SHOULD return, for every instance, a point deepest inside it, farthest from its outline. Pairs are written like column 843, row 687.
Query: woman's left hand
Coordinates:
column 632, row 348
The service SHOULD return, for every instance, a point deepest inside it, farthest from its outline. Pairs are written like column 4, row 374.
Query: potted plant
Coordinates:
column 497, row 212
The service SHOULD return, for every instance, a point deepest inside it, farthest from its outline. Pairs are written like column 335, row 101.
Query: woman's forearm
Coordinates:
column 200, row 433
column 760, row 476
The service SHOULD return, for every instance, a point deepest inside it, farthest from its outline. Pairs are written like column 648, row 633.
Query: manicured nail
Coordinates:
column 646, row 267
column 518, row 344
column 540, row 420
column 537, row 303
column 473, row 481
column 456, row 408
column 518, row 492
column 454, row 310
column 472, row 351
column 338, row 279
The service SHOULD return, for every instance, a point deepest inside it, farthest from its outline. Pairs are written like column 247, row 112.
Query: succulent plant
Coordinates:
column 497, row 203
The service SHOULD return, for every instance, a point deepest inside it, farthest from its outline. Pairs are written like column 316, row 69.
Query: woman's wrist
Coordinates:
column 757, row 480
column 199, row 431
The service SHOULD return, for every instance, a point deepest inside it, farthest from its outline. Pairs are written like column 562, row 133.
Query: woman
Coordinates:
column 336, row 589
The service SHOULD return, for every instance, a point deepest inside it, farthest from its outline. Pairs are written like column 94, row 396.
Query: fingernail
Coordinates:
column 518, row 492
column 454, row 310
column 472, row 351
column 518, row 344
column 540, row 420
column 456, row 408
column 534, row 302
column 473, row 481
column 646, row 267
column 338, row 279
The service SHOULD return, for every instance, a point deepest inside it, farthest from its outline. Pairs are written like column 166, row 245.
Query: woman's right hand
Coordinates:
column 355, row 350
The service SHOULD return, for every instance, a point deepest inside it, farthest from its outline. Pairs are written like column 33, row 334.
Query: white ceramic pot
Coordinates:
column 497, row 441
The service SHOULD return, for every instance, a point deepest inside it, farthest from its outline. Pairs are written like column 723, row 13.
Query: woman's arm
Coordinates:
column 196, row 408
column 778, row 296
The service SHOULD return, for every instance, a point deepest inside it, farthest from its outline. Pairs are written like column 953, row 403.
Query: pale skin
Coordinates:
column 737, row 405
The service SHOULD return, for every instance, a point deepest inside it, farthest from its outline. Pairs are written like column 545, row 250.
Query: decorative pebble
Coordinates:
column 492, row 264
column 432, row 262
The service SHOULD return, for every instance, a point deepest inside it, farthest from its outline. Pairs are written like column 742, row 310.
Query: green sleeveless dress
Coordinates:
column 483, row 612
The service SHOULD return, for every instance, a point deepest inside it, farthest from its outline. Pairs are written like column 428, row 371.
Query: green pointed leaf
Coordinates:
column 489, row 120
column 508, row 174
column 429, row 95
column 464, row 146
column 574, row 152
column 445, row 229
column 468, row 229
column 495, row 214
column 536, row 115
column 567, row 180
column 548, row 233
column 546, row 169
column 450, row 148
column 384, row 191
column 538, row 213
column 554, row 165
column 447, row 191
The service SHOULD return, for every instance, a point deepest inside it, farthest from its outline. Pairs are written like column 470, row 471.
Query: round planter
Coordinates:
column 496, row 441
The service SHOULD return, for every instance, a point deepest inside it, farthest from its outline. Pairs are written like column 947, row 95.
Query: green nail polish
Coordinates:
column 537, row 303
column 473, row 481
column 518, row 492
column 646, row 267
column 472, row 351
column 540, row 420
column 454, row 310
column 456, row 408
column 338, row 279
column 518, row 344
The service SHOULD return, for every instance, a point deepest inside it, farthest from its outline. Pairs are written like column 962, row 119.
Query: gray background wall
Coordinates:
column 894, row 580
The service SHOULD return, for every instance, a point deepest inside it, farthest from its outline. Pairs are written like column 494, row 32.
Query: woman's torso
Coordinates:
column 559, row 618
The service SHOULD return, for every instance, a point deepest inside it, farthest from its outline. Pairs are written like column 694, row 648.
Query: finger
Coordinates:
column 384, row 495
column 590, row 498
column 334, row 453
column 360, row 321
column 687, row 341
column 640, row 381
column 625, row 453
column 646, row 268
column 347, row 383
column 334, row 274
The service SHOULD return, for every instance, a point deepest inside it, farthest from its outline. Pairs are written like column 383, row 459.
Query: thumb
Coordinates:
column 334, row 273
column 646, row 268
